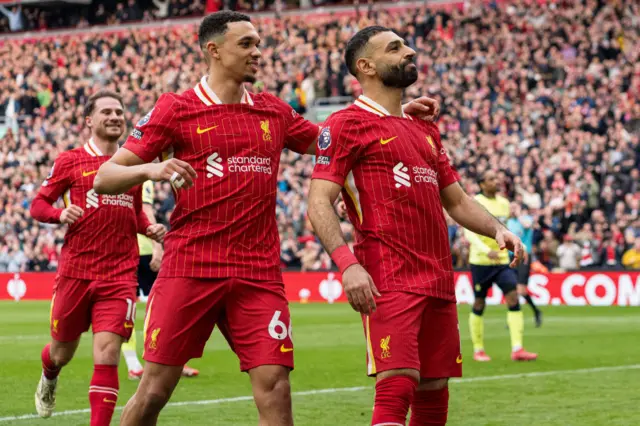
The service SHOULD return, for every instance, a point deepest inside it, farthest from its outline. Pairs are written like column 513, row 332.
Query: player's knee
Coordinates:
column 107, row 351
column 432, row 384
column 275, row 389
column 512, row 300
column 153, row 399
column 478, row 306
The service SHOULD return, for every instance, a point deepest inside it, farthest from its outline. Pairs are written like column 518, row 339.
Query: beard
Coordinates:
column 399, row 76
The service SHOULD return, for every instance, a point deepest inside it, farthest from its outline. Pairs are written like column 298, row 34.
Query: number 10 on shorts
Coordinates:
column 277, row 329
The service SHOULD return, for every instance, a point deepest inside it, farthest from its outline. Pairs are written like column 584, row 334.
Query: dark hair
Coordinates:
column 358, row 42
column 215, row 24
column 91, row 102
column 483, row 176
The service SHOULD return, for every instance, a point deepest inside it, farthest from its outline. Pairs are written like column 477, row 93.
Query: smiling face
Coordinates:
column 236, row 51
column 106, row 121
column 388, row 56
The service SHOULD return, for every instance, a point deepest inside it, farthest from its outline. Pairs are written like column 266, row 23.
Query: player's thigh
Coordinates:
column 181, row 314
column 114, row 307
column 70, row 313
column 391, row 332
column 482, row 276
column 439, row 340
column 524, row 270
column 507, row 279
column 257, row 324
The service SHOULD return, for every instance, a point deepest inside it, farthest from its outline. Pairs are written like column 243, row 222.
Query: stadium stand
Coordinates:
column 547, row 93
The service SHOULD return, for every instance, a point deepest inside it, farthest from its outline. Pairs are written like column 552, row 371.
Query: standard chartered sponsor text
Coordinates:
column 250, row 164
column 122, row 200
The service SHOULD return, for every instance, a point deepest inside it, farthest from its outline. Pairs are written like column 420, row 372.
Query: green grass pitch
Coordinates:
column 588, row 372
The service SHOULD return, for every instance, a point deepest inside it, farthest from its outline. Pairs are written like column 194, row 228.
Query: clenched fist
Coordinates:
column 71, row 214
column 156, row 232
column 178, row 172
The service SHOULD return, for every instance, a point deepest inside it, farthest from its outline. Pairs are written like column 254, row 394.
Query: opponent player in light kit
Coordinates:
column 96, row 280
column 150, row 257
column 395, row 178
column 490, row 265
column 221, row 265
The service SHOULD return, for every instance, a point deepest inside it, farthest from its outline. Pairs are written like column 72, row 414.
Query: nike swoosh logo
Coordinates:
column 109, row 400
column 126, row 325
column 85, row 174
column 459, row 359
column 386, row 141
column 201, row 131
column 285, row 350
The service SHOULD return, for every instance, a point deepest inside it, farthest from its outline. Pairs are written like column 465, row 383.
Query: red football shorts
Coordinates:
column 105, row 305
column 252, row 315
column 410, row 330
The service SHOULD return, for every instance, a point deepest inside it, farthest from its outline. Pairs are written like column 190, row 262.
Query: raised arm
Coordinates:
column 472, row 216
column 423, row 107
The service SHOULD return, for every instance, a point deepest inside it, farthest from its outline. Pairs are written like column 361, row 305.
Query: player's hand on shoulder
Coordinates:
column 360, row 289
column 508, row 240
column 156, row 232
column 178, row 172
column 424, row 108
column 71, row 214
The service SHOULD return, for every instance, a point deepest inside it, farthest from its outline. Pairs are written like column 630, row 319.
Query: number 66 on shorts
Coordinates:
column 252, row 315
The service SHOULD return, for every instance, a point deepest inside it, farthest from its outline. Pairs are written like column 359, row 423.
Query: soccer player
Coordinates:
column 395, row 178
column 521, row 224
column 221, row 147
column 489, row 264
column 150, row 258
column 96, row 280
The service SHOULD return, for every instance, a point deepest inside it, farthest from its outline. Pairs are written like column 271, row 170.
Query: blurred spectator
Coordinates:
column 568, row 254
column 546, row 94
column 631, row 258
column 14, row 16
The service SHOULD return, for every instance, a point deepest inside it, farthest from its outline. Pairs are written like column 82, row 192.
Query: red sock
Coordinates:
column 392, row 400
column 430, row 408
column 49, row 369
column 103, row 394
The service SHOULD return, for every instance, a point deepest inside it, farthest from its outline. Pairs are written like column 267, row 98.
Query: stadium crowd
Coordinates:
column 548, row 94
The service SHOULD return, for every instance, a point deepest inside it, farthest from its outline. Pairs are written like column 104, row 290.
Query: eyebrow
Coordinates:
column 395, row 43
column 250, row 38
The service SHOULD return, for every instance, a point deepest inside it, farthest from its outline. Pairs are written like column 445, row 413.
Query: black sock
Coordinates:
column 527, row 297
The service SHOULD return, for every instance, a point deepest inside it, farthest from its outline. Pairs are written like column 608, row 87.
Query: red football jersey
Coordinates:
column 392, row 170
column 225, row 225
column 102, row 244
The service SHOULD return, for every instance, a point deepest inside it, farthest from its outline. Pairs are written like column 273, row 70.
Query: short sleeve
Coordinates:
column 59, row 179
column 147, row 192
column 154, row 133
column 300, row 133
column 337, row 150
column 447, row 174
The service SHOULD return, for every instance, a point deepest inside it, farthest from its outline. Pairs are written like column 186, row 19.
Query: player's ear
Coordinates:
column 366, row 66
column 212, row 50
column 88, row 121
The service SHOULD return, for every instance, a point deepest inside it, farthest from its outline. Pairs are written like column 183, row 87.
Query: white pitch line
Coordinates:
column 352, row 389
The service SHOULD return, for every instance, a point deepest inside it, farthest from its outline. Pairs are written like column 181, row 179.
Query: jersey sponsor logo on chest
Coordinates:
column 95, row 200
column 237, row 164
column 404, row 175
